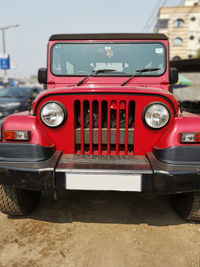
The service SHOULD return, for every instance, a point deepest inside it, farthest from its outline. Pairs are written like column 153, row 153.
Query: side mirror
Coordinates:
column 173, row 75
column 42, row 75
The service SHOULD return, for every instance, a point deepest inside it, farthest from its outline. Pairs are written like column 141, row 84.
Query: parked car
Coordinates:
column 107, row 121
column 15, row 99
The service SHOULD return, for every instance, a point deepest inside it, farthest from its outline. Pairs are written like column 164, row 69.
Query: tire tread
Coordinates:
column 194, row 214
column 17, row 202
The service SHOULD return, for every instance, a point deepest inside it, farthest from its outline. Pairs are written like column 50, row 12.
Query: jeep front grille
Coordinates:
column 104, row 127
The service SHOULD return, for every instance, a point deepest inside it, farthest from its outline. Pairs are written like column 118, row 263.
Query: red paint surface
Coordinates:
column 144, row 137
column 23, row 121
column 187, row 123
column 141, row 90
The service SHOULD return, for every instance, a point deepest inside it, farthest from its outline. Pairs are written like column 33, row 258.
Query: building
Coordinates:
column 182, row 25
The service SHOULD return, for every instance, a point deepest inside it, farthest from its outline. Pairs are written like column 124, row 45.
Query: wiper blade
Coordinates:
column 138, row 72
column 94, row 72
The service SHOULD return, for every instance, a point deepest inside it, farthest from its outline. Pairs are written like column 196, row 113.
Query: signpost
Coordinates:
column 5, row 59
column 4, row 62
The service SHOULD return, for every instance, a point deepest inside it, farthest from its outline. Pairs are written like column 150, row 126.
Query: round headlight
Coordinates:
column 52, row 114
column 156, row 115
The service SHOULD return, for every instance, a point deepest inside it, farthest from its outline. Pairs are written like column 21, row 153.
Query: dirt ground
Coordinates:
column 108, row 229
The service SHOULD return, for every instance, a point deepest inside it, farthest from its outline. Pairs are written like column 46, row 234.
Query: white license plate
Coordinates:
column 77, row 181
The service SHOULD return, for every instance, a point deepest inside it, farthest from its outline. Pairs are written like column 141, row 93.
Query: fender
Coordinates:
column 171, row 137
column 170, row 150
column 24, row 121
column 38, row 148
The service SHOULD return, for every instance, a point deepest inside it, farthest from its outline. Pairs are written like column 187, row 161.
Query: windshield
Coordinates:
column 14, row 92
column 125, row 58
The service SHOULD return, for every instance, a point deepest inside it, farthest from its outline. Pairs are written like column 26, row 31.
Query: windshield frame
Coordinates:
column 108, row 42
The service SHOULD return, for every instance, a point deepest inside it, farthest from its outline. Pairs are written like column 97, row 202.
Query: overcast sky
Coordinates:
column 39, row 19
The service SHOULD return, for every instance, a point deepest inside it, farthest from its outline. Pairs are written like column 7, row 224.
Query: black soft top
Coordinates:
column 109, row 36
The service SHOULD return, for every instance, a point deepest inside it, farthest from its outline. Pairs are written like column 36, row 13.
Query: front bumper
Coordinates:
column 30, row 175
column 52, row 173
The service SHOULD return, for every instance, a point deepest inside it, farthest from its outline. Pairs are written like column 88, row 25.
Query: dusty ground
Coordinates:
column 99, row 229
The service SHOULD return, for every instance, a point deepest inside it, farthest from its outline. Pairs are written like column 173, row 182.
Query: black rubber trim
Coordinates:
column 182, row 155
column 109, row 36
column 146, row 94
column 163, row 178
column 1, row 126
column 30, row 175
column 170, row 179
column 16, row 152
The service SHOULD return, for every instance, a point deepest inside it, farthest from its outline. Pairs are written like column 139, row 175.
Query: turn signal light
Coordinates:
column 190, row 137
column 16, row 135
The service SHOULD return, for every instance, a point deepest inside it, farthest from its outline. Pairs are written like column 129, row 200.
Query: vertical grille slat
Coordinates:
column 91, row 133
column 104, row 127
column 99, row 124
column 108, row 129
column 126, row 129
column 131, row 124
column 117, row 130
column 82, row 128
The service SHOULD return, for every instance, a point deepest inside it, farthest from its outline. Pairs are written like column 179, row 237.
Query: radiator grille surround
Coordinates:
column 104, row 127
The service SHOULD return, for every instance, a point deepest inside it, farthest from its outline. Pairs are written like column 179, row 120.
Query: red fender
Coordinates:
column 24, row 121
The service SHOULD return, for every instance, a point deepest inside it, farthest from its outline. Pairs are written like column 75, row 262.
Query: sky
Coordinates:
column 39, row 19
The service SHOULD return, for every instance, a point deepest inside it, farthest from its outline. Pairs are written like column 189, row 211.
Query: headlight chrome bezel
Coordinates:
column 60, row 106
column 146, row 109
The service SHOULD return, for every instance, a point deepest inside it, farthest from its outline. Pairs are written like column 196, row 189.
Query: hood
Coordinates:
column 105, row 90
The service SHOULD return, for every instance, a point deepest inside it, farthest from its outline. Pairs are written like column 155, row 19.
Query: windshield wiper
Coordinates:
column 94, row 72
column 138, row 72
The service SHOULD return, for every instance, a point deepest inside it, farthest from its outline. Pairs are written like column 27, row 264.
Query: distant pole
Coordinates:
column 3, row 29
column 4, row 49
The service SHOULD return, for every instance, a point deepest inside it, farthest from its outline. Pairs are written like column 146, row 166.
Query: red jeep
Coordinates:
column 107, row 121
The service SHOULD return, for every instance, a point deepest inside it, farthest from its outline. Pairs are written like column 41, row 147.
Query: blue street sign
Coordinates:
column 5, row 62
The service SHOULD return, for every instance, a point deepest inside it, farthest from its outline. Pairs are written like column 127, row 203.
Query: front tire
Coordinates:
column 17, row 202
column 187, row 205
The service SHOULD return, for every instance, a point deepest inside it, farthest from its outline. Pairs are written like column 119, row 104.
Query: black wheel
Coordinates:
column 187, row 205
column 17, row 202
